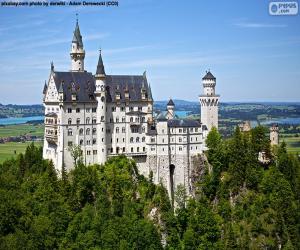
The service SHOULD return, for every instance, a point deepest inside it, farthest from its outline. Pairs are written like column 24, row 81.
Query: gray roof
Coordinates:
column 209, row 76
column 83, row 85
column 170, row 103
column 77, row 38
column 45, row 88
column 80, row 83
column 122, row 83
column 183, row 123
column 100, row 66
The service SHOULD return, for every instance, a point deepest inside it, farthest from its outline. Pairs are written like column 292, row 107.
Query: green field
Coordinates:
column 7, row 150
column 293, row 144
column 22, row 129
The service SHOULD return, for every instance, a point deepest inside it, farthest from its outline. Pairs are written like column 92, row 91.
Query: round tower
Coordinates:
column 77, row 52
column 100, row 94
column 171, row 109
column 274, row 134
column 209, row 102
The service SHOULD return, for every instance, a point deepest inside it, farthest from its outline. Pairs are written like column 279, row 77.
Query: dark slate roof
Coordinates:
column 83, row 85
column 121, row 83
column 209, row 76
column 100, row 66
column 162, row 116
column 170, row 103
column 183, row 123
column 45, row 88
column 51, row 115
column 80, row 83
column 77, row 38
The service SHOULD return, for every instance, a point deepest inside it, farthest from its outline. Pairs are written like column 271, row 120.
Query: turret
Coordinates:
column 77, row 52
column 274, row 134
column 209, row 102
column 170, row 109
column 100, row 94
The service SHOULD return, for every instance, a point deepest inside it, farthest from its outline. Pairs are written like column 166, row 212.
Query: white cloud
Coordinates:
column 259, row 25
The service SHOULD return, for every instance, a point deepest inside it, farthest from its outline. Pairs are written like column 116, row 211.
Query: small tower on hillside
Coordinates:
column 209, row 102
column 77, row 52
column 170, row 109
column 274, row 134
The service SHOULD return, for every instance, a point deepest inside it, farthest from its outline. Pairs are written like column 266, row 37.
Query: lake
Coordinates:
column 19, row 120
column 293, row 121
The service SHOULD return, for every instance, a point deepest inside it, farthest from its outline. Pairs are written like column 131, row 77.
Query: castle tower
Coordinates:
column 170, row 109
column 77, row 52
column 274, row 134
column 100, row 93
column 209, row 102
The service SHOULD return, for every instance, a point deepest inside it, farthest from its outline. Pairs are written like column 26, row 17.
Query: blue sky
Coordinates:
column 255, row 56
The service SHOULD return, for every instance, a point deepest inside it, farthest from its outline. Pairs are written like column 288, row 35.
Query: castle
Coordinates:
column 109, row 115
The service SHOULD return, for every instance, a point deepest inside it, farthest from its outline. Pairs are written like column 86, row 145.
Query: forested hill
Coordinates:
column 239, row 203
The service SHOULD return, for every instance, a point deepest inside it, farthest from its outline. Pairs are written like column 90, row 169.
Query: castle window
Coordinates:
column 152, row 149
column 81, row 142
column 87, row 121
column 117, row 139
column 180, row 139
column 184, row 130
column 131, row 119
column 117, row 119
column 152, row 139
column 122, row 108
column 162, row 131
column 131, row 139
column 78, row 110
column 88, row 142
column 138, row 149
column 70, row 143
column 94, row 131
column 95, row 109
column 102, row 129
column 137, row 139
column 94, row 152
column 163, row 140
column 88, row 152
column 131, row 108
column 131, row 149
column 81, row 131
column 87, row 131
column 111, row 120
column 123, row 129
column 191, row 129
column 143, row 119
column 117, row 130
column 143, row 139
column 70, row 132
column 94, row 121
column 69, row 121
column 180, row 148
column 88, row 110
column 196, row 139
column 123, row 150
column 140, row 108
column 94, row 141
column 123, row 139
column 196, row 129
column 113, row 108
column 123, row 119
column 78, row 121
column 137, row 119
column 180, row 130
column 144, row 149
column 102, row 118
column 111, row 150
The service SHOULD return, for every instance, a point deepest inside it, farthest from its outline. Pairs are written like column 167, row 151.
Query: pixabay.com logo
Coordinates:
column 283, row 8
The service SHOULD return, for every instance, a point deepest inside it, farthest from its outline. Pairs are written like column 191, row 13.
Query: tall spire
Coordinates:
column 100, row 67
column 77, row 38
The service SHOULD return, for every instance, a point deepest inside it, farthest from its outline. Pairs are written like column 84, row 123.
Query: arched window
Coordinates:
column 94, row 121
column 69, row 121
column 117, row 129
column 87, row 121
column 94, row 131
column 81, row 142
column 137, row 139
column 131, row 119
column 70, row 132
column 94, row 141
column 87, row 131
column 78, row 121
column 123, row 129
column 143, row 129
column 131, row 139
column 81, row 131
column 143, row 139
column 117, row 119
